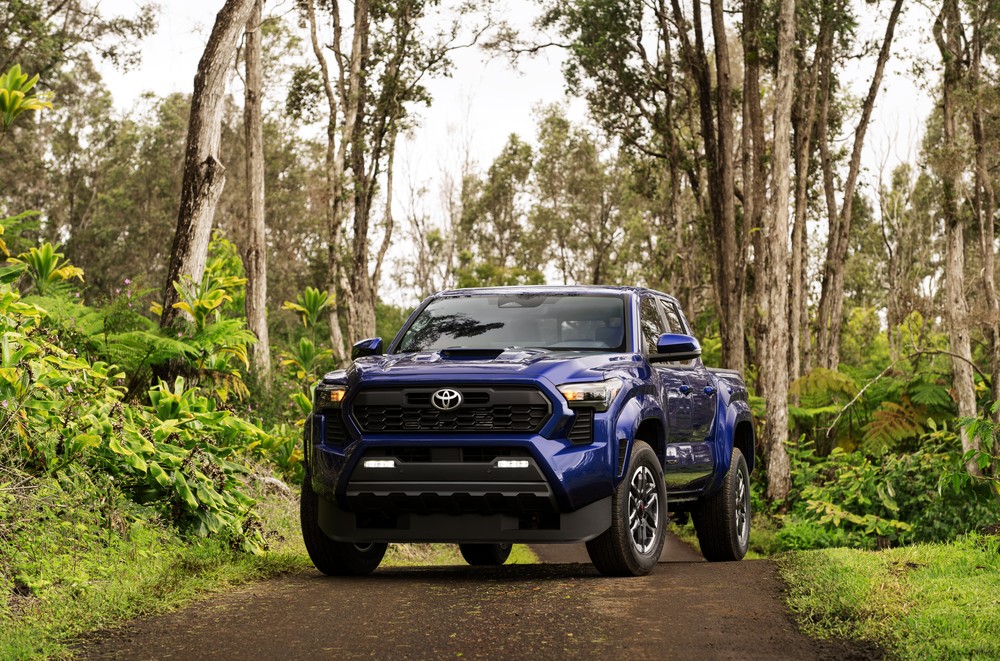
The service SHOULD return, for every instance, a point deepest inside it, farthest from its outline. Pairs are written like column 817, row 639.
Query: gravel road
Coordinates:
column 687, row 609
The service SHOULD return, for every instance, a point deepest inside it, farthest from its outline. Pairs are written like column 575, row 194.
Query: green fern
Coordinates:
column 931, row 395
column 892, row 424
column 823, row 387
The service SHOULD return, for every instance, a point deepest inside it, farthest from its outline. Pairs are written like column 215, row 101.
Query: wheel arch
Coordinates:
column 743, row 438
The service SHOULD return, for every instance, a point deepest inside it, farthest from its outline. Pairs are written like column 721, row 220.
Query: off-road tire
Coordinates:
column 485, row 555
column 330, row 557
column 723, row 519
column 617, row 552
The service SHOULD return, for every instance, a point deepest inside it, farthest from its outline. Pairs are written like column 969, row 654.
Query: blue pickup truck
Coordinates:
column 529, row 414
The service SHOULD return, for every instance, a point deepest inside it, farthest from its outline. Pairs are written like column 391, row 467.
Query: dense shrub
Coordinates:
column 850, row 499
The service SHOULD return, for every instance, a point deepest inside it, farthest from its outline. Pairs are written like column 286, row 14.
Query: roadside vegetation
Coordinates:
column 923, row 601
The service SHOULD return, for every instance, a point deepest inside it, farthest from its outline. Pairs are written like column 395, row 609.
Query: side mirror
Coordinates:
column 675, row 346
column 370, row 347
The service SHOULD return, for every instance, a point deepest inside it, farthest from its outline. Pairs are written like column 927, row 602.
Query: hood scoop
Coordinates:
column 471, row 354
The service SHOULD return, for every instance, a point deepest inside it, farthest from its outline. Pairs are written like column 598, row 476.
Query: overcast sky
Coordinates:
column 486, row 100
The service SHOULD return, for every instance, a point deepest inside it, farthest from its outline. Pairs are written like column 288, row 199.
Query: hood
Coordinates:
column 557, row 366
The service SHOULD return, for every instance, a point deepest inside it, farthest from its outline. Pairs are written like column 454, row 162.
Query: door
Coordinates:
column 704, row 399
column 689, row 461
column 674, row 388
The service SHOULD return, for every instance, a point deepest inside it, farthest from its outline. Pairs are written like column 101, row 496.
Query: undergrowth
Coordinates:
column 69, row 566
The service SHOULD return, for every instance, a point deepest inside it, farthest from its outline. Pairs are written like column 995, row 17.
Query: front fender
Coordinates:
column 632, row 414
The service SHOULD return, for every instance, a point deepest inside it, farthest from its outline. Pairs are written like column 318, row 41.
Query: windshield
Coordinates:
column 542, row 321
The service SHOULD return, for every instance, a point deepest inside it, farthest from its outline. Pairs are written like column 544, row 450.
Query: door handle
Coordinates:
column 709, row 390
column 684, row 389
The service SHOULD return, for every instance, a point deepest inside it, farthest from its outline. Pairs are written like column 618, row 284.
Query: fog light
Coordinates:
column 512, row 463
column 380, row 463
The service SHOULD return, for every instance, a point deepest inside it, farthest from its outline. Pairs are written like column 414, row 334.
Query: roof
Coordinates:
column 548, row 289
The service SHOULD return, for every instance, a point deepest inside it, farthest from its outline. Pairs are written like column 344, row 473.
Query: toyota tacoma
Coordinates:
column 529, row 414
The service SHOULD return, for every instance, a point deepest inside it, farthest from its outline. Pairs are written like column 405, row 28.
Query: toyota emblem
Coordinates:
column 446, row 399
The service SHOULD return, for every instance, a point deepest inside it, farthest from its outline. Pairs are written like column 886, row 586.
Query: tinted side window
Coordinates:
column 650, row 324
column 673, row 318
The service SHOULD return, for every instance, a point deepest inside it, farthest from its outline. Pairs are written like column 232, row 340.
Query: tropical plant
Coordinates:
column 15, row 98
column 986, row 429
column 219, row 343
column 305, row 360
column 48, row 271
column 309, row 305
column 848, row 498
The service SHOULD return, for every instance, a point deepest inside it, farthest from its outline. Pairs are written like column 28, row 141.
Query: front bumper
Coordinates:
column 452, row 488
column 580, row 526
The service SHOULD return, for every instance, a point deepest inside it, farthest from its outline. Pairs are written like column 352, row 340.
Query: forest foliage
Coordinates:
column 171, row 423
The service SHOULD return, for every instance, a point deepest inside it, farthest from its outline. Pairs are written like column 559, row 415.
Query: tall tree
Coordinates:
column 831, row 304
column 984, row 20
column 950, row 39
column 334, row 164
column 204, row 173
column 391, row 53
column 586, row 207
column 804, row 117
column 774, row 269
column 498, row 243
column 729, row 251
column 645, row 71
column 254, row 236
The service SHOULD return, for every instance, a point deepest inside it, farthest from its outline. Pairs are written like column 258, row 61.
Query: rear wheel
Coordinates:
column 723, row 519
column 485, row 555
column 331, row 557
column 632, row 545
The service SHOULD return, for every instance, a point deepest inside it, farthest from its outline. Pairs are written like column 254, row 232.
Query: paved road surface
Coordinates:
column 687, row 609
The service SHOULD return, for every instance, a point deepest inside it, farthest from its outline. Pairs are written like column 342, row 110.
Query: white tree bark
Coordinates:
column 255, row 229
column 947, row 36
column 774, row 308
column 204, row 174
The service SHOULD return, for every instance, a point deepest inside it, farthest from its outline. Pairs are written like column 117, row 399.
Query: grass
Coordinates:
column 422, row 555
column 65, row 571
column 63, row 575
column 929, row 601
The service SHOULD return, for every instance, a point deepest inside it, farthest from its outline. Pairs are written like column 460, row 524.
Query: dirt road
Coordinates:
column 687, row 609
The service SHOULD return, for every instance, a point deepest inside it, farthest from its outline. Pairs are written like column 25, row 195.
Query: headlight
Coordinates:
column 330, row 395
column 598, row 394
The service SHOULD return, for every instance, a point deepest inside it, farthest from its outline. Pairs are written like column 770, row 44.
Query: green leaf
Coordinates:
column 184, row 491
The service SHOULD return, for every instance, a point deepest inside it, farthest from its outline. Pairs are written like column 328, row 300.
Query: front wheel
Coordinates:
column 485, row 555
column 331, row 557
column 723, row 519
column 632, row 545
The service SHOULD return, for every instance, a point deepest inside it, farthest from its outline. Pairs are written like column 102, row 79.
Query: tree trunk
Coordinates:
column 804, row 122
column 754, row 147
column 726, row 271
column 984, row 203
column 831, row 302
column 204, row 174
column 728, row 251
column 774, row 308
column 947, row 35
column 255, row 230
column 334, row 169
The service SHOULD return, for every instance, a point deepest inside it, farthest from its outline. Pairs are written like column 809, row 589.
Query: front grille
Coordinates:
column 583, row 427
column 483, row 410
column 336, row 433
